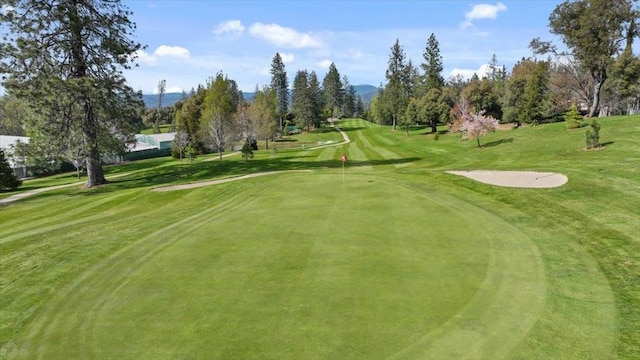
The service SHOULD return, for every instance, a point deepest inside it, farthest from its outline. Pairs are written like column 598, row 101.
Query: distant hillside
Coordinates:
column 367, row 92
column 151, row 100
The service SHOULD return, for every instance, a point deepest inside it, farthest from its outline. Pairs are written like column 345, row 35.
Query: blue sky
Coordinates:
column 190, row 41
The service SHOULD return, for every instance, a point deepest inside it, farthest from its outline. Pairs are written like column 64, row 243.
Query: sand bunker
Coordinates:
column 518, row 179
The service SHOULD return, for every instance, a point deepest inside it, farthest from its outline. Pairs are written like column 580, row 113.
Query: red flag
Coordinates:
column 344, row 158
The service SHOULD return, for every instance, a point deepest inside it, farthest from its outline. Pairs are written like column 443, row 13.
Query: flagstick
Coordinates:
column 343, row 171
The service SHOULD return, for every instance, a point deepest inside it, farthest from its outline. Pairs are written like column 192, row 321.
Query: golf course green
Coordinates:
column 388, row 257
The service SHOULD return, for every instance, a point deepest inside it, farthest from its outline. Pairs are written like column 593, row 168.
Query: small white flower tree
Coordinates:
column 477, row 125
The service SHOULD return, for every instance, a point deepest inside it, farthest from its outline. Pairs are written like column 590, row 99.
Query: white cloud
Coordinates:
column 169, row 89
column 172, row 51
column 143, row 57
column 482, row 11
column 283, row 36
column 485, row 11
column 232, row 26
column 324, row 64
column 163, row 51
column 482, row 72
column 287, row 58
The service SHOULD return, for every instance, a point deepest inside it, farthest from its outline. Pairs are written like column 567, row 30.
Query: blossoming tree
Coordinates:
column 477, row 125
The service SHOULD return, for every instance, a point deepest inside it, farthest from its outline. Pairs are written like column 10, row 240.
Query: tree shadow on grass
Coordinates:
column 350, row 128
column 211, row 170
column 497, row 142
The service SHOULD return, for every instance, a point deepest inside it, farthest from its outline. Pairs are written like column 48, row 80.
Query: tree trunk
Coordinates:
column 95, row 174
column 266, row 143
column 596, row 96
column 394, row 122
column 478, row 141
column 434, row 127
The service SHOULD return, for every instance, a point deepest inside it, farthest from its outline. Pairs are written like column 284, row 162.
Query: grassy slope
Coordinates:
column 582, row 237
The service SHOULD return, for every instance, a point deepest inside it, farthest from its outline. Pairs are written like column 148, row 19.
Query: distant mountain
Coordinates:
column 367, row 92
column 151, row 100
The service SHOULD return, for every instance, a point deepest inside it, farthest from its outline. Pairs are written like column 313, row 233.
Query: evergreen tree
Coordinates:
column 395, row 92
column 535, row 99
column 280, row 84
column 349, row 104
column 188, row 120
column 359, row 107
column 333, row 91
column 316, row 99
column 432, row 65
column 14, row 114
column 8, row 180
column 66, row 58
column 302, row 105
column 482, row 97
column 514, row 90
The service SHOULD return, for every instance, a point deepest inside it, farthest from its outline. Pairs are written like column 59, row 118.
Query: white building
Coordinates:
column 8, row 144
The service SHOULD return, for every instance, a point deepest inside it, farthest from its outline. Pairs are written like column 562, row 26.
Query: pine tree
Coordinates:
column 359, row 107
column 432, row 65
column 395, row 91
column 8, row 180
column 280, row 84
column 535, row 99
column 349, row 103
column 333, row 91
column 301, row 102
column 188, row 120
column 316, row 99
column 66, row 58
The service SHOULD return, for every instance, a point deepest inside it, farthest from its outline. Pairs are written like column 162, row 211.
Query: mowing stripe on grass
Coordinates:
column 58, row 325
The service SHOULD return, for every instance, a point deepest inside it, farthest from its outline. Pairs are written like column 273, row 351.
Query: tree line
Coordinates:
column 216, row 116
column 597, row 73
column 62, row 63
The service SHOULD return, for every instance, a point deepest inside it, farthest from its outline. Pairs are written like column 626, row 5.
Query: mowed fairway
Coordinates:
column 398, row 260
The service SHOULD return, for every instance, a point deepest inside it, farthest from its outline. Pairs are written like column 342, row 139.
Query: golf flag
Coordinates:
column 344, row 158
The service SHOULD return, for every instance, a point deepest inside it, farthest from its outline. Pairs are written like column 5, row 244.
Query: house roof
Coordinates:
column 157, row 138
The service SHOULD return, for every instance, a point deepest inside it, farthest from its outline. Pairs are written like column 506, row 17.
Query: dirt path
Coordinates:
column 221, row 181
column 25, row 194
column 28, row 193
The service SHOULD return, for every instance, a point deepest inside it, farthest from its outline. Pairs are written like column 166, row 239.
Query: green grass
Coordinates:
column 400, row 260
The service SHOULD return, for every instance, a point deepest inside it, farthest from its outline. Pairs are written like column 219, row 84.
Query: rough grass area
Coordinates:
column 400, row 260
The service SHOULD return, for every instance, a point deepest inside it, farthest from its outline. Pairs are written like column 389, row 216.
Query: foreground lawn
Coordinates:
column 399, row 260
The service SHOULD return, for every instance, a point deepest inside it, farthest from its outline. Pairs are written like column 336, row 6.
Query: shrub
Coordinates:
column 593, row 135
column 573, row 118
column 8, row 180
column 247, row 151
column 190, row 152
